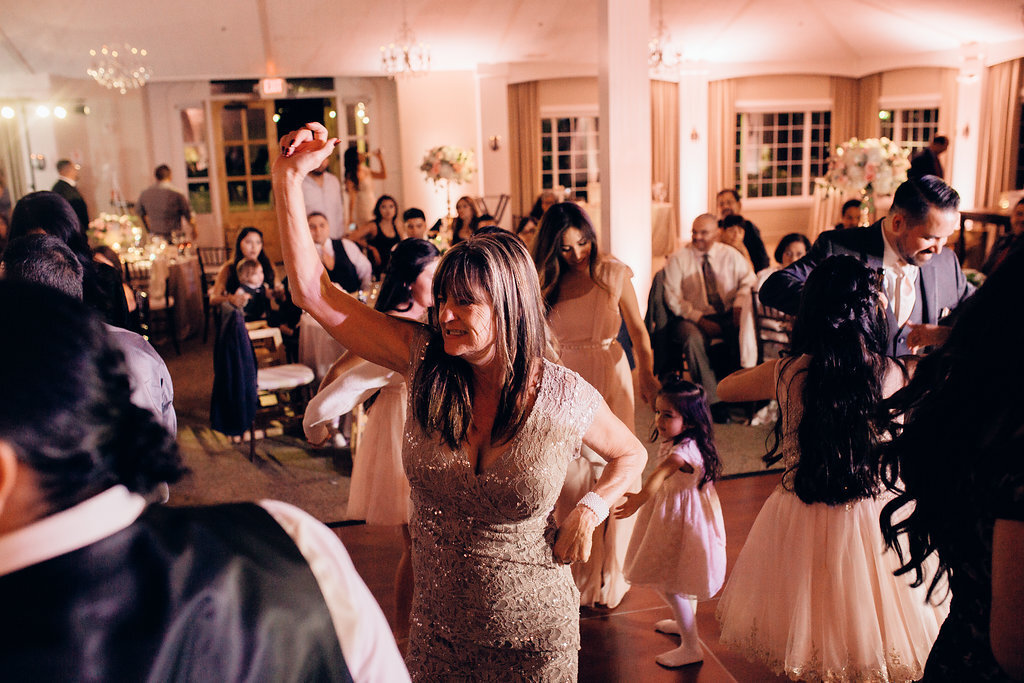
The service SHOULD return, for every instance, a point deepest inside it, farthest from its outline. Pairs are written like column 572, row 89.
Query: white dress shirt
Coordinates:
column 363, row 633
column 364, row 269
column 326, row 199
column 900, row 282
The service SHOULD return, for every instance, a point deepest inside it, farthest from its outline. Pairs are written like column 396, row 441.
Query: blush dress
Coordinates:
column 491, row 601
column 586, row 328
column 813, row 595
column 678, row 543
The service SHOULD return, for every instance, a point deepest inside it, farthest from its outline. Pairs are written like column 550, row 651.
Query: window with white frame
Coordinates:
column 912, row 129
column 568, row 154
column 780, row 153
column 197, row 158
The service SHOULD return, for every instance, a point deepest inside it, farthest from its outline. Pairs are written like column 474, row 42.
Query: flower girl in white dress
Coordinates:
column 678, row 543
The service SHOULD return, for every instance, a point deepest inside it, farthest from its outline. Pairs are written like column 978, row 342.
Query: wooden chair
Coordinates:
column 155, row 304
column 772, row 328
column 283, row 389
column 210, row 261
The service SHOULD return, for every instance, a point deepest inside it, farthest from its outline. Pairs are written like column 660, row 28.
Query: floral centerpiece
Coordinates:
column 875, row 166
column 117, row 231
column 448, row 163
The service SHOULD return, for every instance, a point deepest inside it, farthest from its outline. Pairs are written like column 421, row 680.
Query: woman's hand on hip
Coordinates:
column 575, row 536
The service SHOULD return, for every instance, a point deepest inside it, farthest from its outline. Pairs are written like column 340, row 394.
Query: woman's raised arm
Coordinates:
column 379, row 338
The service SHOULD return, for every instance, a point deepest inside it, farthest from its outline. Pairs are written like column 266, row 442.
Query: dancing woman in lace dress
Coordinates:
column 812, row 593
column 490, row 431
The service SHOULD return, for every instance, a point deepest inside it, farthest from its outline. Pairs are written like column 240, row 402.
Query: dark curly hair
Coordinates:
column 958, row 435
column 841, row 326
column 65, row 402
column 691, row 402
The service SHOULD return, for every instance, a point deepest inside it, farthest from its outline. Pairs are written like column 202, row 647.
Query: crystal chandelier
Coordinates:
column 119, row 68
column 404, row 56
column 662, row 57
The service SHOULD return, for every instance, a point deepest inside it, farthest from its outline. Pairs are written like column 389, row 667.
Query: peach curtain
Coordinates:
column 665, row 144
column 1000, row 123
column 870, row 89
column 11, row 173
column 845, row 98
column 947, row 116
column 721, row 138
column 524, row 147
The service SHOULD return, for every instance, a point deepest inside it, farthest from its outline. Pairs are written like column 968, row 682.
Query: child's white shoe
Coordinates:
column 681, row 656
column 668, row 626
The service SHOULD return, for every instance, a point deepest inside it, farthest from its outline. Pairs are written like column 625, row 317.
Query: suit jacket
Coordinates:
column 74, row 197
column 925, row 162
column 941, row 285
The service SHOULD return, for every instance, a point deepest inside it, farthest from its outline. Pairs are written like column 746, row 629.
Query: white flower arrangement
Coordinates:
column 451, row 164
column 871, row 166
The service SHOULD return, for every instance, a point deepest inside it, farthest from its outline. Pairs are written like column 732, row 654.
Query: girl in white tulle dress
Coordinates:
column 813, row 594
column 678, row 542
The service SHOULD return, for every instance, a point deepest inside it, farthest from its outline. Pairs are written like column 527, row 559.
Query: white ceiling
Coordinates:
column 192, row 39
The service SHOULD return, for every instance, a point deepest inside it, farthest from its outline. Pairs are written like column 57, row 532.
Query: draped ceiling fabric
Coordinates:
column 721, row 137
column 524, row 148
column 665, row 144
column 1000, row 126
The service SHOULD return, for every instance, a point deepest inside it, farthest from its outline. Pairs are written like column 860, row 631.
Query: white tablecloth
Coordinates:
column 317, row 348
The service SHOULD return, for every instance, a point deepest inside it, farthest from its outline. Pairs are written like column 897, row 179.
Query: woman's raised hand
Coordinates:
column 303, row 150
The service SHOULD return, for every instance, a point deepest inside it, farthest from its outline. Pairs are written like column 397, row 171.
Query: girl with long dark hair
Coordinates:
column 813, row 594
column 248, row 245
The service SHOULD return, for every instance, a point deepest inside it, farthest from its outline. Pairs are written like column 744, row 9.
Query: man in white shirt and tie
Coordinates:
column 923, row 281
column 707, row 289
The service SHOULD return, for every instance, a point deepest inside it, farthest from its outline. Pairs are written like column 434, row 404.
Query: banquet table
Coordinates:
column 317, row 348
column 184, row 285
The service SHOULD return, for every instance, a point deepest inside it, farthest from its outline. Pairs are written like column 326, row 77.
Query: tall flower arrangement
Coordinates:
column 449, row 164
column 875, row 166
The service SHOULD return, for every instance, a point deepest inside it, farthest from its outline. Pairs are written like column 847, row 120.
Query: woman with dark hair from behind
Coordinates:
column 359, row 179
column 48, row 212
column 379, row 491
column 812, row 593
column 956, row 461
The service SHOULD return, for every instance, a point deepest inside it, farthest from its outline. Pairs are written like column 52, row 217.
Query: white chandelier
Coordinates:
column 663, row 58
column 119, row 68
column 404, row 57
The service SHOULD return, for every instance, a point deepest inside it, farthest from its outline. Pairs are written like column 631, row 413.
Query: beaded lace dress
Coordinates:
column 491, row 602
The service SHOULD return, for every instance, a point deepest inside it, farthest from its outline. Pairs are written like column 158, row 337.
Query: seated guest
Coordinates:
column 545, row 200
column 527, row 231
column 415, row 223
column 850, row 216
column 49, row 213
column 486, row 220
column 467, row 220
column 1008, row 242
column 729, row 204
column 345, row 263
column 248, row 245
column 923, row 282
column 791, row 249
column 97, row 585
column 707, row 290
column 732, row 234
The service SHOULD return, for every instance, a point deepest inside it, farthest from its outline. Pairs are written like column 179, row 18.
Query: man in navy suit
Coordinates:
column 923, row 281
column 67, row 187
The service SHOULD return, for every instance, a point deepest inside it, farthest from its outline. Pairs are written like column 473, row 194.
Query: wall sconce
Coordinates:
column 38, row 161
column 494, row 142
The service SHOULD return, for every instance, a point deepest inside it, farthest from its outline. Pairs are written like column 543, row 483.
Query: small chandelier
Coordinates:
column 662, row 58
column 119, row 68
column 404, row 57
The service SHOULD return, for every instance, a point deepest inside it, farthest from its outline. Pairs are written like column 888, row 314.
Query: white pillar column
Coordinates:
column 625, row 136
column 693, row 148
column 968, row 127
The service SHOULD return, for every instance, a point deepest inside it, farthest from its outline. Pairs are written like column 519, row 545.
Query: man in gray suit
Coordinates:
column 923, row 281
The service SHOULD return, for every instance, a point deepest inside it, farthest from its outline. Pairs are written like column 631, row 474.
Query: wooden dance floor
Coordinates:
column 619, row 644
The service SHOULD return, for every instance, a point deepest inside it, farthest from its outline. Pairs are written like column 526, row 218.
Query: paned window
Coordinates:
column 568, row 154
column 779, row 154
column 913, row 129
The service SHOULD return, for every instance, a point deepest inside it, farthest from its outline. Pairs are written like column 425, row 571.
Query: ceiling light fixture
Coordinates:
column 662, row 57
column 404, row 57
column 119, row 68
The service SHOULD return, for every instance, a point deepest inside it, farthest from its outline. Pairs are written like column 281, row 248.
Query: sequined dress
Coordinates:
column 491, row 603
column 586, row 328
column 813, row 595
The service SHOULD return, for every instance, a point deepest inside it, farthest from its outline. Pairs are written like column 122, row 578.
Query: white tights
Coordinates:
column 685, row 625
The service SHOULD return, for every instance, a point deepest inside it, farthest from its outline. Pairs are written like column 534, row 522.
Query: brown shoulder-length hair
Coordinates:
column 496, row 268
column 548, row 247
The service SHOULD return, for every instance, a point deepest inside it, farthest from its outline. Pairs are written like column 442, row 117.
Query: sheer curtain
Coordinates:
column 11, row 155
column 665, row 144
column 1000, row 123
column 721, row 133
column 524, row 147
column 947, row 116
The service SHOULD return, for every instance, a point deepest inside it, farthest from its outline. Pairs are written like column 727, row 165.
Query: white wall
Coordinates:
column 495, row 164
column 439, row 108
